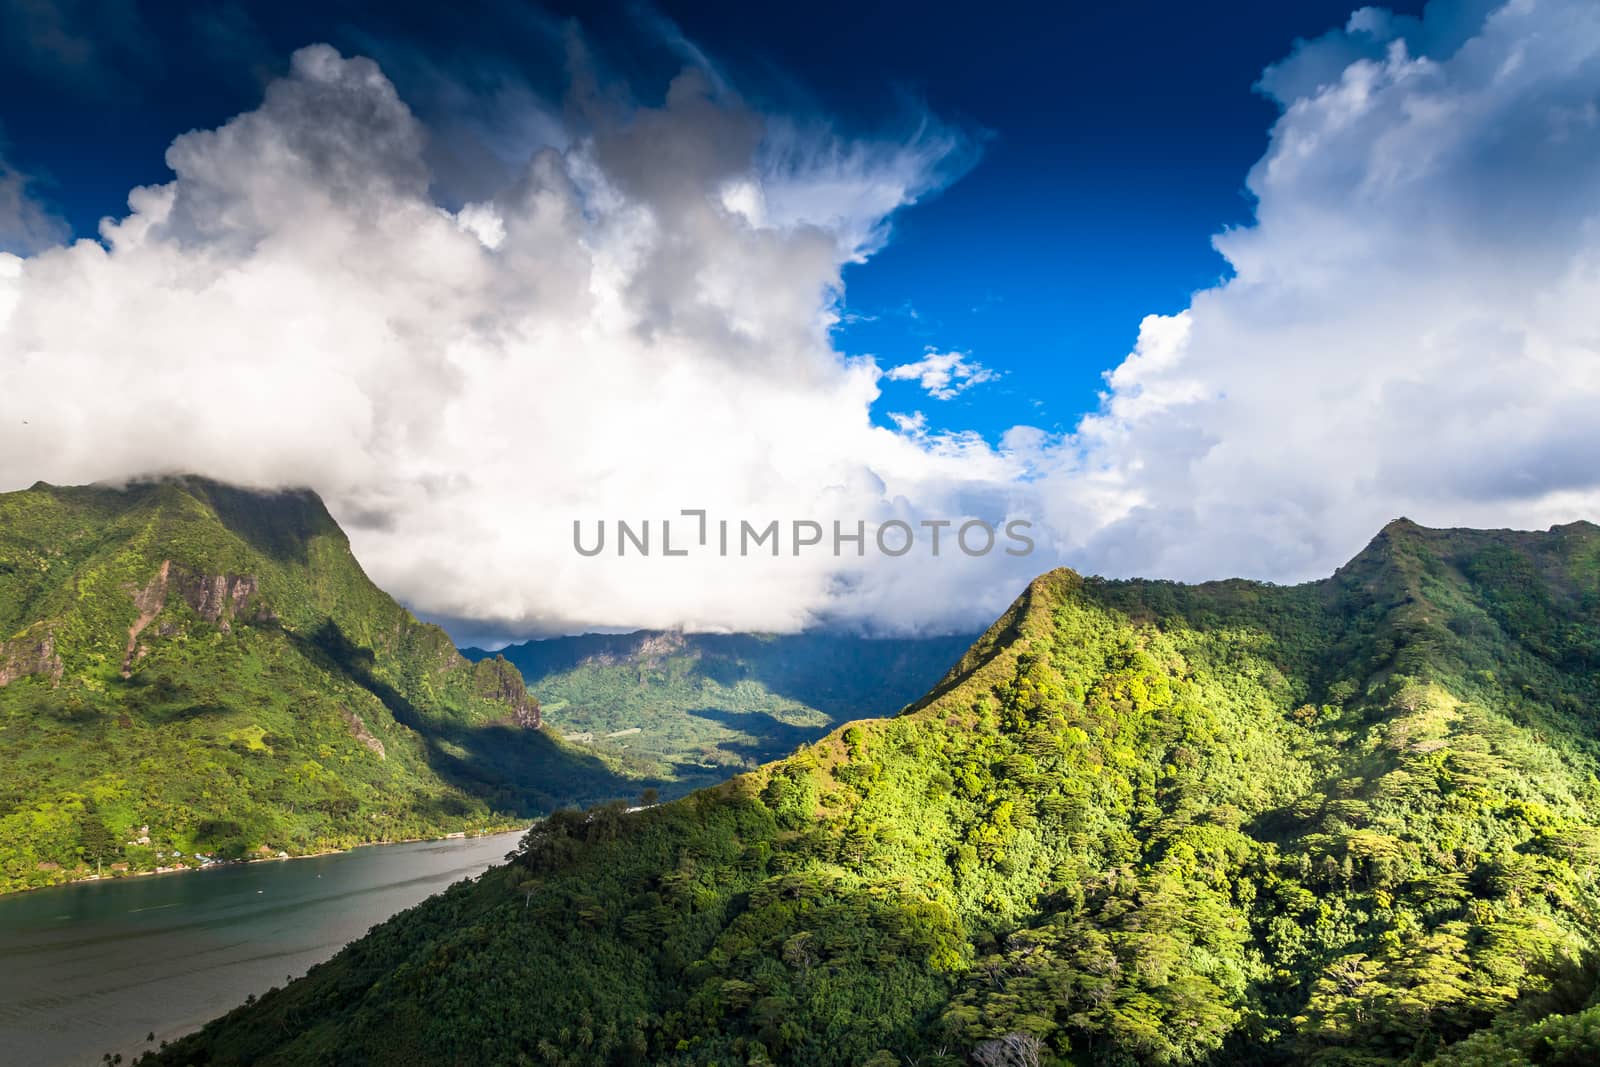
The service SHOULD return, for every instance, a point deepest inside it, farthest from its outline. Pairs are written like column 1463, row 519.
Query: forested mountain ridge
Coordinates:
column 1351, row 822
column 693, row 708
column 187, row 667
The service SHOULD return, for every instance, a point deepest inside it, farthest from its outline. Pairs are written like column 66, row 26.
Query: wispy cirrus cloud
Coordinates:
column 26, row 225
column 90, row 47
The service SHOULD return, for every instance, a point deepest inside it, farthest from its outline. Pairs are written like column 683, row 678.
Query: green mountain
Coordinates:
column 694, row 708
column 191, row 668
column 1352, row 822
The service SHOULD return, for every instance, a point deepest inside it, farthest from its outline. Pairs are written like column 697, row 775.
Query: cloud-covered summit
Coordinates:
column 638, row 319
column 637, row 323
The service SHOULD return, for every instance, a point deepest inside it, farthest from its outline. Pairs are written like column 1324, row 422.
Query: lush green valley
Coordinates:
column 189, row 670
column 692, row 709
column 1352, row 822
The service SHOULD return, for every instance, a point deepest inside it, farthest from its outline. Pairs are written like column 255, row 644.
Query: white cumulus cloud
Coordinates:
column 606, row 337
column 1410, row 328
column 942, row 375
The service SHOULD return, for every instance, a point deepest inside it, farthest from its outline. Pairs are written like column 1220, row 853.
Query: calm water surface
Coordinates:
column 92, row 968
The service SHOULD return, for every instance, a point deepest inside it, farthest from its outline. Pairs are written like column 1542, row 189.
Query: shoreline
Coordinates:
column 460, row 835
column 94, row 970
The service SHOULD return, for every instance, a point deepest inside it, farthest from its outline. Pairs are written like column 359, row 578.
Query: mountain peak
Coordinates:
column 181, row 622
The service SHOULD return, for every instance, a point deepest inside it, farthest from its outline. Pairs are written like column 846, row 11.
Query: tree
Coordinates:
column 95, row 838
column 1012, row 1050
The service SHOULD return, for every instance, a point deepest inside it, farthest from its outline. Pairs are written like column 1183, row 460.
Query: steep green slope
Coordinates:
column 1350, row 822
column 695, row 708
column 190, row 668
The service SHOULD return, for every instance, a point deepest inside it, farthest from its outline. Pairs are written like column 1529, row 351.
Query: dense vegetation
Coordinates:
column 694, row 708
column 187, row 668
column 1348, row 823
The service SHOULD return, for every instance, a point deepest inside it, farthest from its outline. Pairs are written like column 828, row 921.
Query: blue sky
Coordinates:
column 1114, row 141
column 475, row 272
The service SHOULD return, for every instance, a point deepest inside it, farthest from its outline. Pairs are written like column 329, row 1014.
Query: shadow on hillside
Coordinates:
column 848, row 677
column 776, row 737
column 278, row 525
column 519, row 771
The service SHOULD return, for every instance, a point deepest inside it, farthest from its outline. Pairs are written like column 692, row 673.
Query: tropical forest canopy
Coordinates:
column 1352, row 822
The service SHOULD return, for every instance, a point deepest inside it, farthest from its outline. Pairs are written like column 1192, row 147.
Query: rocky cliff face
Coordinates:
column 216, row 599
column 30, row 654
column 497, row 680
